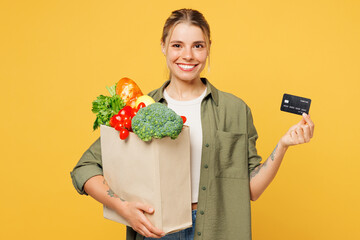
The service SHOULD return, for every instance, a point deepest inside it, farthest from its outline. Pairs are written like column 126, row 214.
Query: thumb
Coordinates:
column 145, row 207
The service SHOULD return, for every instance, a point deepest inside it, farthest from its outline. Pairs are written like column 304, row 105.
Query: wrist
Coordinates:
column 121, row 206
column 282, row 146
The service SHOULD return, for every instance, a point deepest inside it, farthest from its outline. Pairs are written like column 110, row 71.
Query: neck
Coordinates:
column 185, row 90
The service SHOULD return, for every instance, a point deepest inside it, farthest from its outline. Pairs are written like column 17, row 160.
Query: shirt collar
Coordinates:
column 211, row 91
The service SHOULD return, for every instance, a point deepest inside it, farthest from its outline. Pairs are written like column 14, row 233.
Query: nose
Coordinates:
column 187, row 54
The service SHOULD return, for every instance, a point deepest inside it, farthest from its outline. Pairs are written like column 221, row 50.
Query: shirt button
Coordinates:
column 206, row 166
column 202, row 212
column 204, row 188
column 199, row 233
column 207, row 145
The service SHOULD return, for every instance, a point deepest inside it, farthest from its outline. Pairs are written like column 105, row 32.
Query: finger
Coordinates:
column 303, row 120
column 293, row 137
column 307, row 134
column 153, row 230
column 310, row 123
column 140, row 228
column 147, row 233
column 145, row 208
column 139, row 231
column 145, row 221
column 300, row 135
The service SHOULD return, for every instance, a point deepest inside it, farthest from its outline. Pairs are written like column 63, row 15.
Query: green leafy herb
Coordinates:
column 112, row 90
column 105, row 107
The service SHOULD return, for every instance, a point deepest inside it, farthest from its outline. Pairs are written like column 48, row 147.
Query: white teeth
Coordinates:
column 186, row 66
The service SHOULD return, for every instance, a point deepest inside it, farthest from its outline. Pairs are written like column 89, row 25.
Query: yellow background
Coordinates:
column 57, row 56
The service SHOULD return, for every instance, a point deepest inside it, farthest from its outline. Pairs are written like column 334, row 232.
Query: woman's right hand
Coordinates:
column 134, row 213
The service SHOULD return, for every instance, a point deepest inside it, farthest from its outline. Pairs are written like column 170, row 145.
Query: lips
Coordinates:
column 186, row 67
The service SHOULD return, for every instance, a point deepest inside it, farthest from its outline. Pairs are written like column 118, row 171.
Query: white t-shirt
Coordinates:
column 192, row 111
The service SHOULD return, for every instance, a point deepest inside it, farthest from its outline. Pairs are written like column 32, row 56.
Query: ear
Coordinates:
column 163, row 48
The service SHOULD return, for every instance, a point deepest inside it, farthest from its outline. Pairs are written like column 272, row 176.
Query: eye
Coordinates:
column 199, row 46
column 176, row 45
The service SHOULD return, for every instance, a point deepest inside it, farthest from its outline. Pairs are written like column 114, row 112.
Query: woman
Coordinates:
column 225, row 168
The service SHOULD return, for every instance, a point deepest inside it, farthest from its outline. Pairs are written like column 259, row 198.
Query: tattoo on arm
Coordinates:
column 114, row 195
column 111, row 192
column 273, row 153
column 258, row 168
column 255, row 171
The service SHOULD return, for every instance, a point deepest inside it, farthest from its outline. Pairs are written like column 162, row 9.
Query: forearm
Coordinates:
column 261, row 176
column 97, row 188
column 133, row 212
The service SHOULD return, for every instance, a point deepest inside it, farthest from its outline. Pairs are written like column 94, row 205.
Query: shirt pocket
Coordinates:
column 231, row 155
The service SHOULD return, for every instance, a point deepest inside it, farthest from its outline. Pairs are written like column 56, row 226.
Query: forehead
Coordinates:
column 185, row 32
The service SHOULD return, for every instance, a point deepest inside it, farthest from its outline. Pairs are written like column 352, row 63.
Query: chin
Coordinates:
column 187, row 77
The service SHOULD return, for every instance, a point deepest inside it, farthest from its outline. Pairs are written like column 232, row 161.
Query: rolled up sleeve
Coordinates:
column 89, row 165
column 254, row 158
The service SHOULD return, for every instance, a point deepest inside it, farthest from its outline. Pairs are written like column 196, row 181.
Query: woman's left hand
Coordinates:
column 299, row 133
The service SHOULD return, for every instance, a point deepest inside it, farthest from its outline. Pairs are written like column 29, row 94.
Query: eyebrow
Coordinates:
column 196, row 42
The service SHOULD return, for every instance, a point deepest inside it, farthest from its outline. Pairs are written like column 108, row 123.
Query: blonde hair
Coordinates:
column 189, row 16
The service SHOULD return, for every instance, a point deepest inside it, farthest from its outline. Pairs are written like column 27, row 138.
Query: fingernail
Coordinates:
column 151, row 209
column 304, row 114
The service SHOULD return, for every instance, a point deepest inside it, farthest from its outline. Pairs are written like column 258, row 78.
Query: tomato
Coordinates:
column 117, row 118
column 119, row 126
column 122, row 112
column 126, row 111
column 127, row 124
column 141, row 105
column 125, row 118
column 114, row 120
column 124, row 133
column 183, row 118
column 133, row 112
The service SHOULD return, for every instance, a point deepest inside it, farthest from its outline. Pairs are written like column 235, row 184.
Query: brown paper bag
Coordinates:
column 156, row 173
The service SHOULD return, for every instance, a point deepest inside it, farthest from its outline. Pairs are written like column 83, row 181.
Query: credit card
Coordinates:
column 295, row 104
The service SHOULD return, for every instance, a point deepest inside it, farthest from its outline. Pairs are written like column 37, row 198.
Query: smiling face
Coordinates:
column 186, row 52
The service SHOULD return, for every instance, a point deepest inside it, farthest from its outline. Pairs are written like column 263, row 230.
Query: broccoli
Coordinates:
column 156, row 121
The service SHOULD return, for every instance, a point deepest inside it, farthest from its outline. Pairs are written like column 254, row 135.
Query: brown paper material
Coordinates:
column 156, row 173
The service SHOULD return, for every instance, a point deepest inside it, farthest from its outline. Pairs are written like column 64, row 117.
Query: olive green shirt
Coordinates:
column 228, row 156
